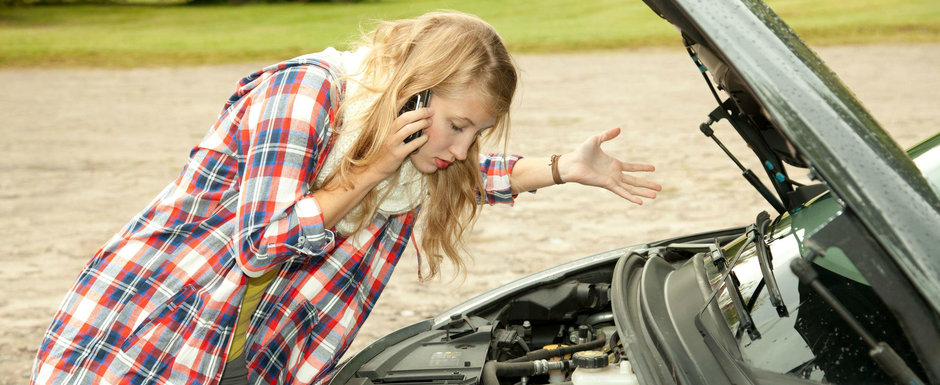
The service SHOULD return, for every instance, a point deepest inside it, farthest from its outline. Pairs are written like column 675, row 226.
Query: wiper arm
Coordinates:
column 728, row 364
column 731, row 282
column 886, row 358
column 766, row 266
column 755, row 234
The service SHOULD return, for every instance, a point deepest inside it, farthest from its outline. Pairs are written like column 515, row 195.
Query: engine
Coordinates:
column 560, row 332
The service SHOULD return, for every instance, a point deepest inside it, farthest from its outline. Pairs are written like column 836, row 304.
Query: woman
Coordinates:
column 262, row 260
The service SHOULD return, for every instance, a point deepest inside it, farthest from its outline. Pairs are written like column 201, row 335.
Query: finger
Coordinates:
column 640, row 182
column 421, row 114
column 411, row 128
column 627, row 166
column 415, row 144
column 623, row 193
column 608, row 135
column 649, row 194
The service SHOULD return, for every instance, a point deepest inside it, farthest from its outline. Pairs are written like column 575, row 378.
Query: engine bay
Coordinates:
column 555, row 333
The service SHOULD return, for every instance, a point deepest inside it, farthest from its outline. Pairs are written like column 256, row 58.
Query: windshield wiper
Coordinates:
column 755, row 234
column 732, row 284
column 882, row 353
column 765, row 258
column 744, row 319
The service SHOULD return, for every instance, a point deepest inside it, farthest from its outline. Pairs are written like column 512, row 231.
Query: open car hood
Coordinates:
column 792, row 109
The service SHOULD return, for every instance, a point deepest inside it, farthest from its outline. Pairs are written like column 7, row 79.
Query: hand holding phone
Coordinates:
column 420, row 100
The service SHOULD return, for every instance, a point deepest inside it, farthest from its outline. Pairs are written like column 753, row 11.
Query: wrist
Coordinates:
column 359, row 178
column 555, row 165
column 370, row 177
column 564, row 167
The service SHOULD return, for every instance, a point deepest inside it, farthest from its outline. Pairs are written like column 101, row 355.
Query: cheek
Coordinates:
column 436, row 135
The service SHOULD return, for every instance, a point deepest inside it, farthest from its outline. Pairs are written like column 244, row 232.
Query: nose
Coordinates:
column 459, row 150
column 460, row 147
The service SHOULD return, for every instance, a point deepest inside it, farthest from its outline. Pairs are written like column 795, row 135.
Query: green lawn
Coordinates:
column 129, row 36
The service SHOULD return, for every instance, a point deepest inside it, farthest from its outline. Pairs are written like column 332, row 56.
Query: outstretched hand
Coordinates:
column 590, row 165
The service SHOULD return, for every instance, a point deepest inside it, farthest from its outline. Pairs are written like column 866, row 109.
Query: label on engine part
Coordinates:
column 445, row 358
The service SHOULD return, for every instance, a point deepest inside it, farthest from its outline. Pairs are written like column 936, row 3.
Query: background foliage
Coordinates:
column 162, row 33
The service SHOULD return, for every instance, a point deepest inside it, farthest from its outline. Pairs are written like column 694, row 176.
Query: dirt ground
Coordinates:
column 85, row 149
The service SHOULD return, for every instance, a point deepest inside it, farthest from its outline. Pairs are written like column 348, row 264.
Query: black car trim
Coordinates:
column 713, row 313
column 921, row 327
column 348, row 368
column 880, row 351
column 649, row 366
column 656, row 312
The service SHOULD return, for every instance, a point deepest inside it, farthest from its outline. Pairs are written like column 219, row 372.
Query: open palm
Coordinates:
column 590, row 165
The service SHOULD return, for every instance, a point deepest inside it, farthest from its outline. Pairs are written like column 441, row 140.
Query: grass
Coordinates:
column 148, row 35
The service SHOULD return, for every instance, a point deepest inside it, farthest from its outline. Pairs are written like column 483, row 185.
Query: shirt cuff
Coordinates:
column 314, row 238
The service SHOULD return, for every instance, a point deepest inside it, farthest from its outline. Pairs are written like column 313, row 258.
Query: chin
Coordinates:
column 425, row 167
column 426, row 170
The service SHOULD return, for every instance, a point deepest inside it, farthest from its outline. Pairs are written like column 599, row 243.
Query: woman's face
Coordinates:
column 456, row 123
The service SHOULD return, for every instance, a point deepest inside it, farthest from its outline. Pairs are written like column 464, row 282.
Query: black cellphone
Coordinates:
column 420, row 100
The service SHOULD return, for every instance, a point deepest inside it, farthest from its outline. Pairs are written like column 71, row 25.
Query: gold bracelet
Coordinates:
column 556, row 176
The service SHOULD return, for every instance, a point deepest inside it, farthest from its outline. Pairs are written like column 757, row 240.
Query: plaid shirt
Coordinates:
column 158, row 303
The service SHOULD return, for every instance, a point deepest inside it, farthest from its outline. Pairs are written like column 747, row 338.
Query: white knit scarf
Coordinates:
column 409, row 189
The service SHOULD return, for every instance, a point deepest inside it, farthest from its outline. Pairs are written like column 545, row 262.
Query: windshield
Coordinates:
column 927, row 158
column 813, row 342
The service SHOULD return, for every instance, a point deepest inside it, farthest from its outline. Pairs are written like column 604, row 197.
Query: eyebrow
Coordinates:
column 472, row 123
column 467, row 119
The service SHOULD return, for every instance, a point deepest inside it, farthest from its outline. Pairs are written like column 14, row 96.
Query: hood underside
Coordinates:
column 799, row 111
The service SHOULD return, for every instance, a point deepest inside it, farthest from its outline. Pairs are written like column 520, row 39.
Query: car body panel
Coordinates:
column 826, row 124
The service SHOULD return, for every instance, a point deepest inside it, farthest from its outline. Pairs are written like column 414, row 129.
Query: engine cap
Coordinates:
column 590, row 359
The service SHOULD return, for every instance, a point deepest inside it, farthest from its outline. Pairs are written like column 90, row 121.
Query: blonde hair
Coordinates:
column 446, row 52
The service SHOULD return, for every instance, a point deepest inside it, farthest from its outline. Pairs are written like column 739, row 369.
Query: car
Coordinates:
column 839, row 283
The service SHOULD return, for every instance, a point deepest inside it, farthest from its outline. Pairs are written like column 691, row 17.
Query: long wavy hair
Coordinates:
column 446, row 52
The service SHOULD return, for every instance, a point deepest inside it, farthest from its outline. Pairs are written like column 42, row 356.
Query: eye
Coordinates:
column 455, row 128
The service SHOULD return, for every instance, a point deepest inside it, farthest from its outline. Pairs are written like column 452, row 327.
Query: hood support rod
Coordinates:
column 716, row 115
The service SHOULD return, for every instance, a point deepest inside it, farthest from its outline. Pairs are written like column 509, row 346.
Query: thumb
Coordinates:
column 609, row 134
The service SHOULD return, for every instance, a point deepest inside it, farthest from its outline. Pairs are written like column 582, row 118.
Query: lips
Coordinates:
column 441, row 163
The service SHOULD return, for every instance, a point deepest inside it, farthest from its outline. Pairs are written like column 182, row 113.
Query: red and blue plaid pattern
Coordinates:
column 158, row 303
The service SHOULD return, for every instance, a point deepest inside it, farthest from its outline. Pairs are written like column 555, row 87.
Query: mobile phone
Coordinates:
column 420, row 100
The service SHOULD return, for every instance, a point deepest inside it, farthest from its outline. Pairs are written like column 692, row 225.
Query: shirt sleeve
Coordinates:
column 495, row 169
column 285, row 125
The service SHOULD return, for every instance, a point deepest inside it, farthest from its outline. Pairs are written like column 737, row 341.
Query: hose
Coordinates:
column 492, row 369
column 534, row 362
column 543, row 354
column 489, row 373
